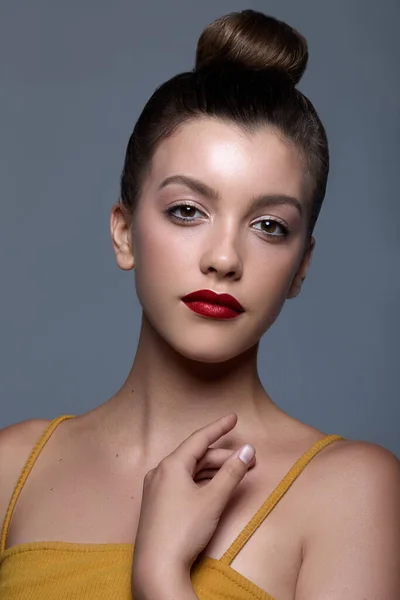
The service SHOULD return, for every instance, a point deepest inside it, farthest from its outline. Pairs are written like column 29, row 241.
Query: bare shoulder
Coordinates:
column 351, row 472
column 16, row 444
column 358, row 463
column 347, row 486
column 347, row 509
column 351, row 500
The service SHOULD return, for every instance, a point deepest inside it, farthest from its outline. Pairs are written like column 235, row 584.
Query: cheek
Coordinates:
column 162, row 256
column 160, row 248
column 275, row 265
column 270, row 279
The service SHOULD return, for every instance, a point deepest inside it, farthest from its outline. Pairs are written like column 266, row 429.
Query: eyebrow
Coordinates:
column 193, row 184
column 203, row 189
column 276, row 200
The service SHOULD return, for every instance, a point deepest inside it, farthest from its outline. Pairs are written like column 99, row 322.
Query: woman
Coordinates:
column 224, row 177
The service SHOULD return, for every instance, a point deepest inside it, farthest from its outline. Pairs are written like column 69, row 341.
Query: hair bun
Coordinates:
column 254, row 41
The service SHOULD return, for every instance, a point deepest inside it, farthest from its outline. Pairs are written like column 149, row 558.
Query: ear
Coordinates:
column 120, row 225
column 300, row 276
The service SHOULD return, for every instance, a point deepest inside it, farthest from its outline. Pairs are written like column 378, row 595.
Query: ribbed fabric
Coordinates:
column 72, row 571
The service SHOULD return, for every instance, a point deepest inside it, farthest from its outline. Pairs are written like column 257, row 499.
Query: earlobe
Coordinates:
column 300, row 276
column 295, row 287
column 121, row 238
column 125, row 258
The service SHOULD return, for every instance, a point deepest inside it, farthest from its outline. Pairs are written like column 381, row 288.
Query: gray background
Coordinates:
column 74, row 77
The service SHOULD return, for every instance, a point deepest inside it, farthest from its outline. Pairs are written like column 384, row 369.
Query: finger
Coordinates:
column 210, row 473
column 231, row 474
column 214, row 458
column 191, row 450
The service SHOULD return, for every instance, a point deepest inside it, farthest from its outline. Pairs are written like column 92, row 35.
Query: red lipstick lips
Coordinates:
column 210, row 304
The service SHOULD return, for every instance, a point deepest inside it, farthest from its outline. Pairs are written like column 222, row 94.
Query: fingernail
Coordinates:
column 247, row 453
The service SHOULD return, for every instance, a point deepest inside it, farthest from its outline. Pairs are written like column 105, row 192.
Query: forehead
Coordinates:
column 227, row 157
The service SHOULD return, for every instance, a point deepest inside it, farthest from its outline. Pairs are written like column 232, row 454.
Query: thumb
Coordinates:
column 231, row 474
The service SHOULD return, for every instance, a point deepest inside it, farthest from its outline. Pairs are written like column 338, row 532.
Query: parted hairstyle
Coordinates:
column 247, row 67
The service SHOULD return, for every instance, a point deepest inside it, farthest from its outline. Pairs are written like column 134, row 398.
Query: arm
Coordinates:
column 353, row 550
column 172, row 587
column 177, row 517
column 16, row 443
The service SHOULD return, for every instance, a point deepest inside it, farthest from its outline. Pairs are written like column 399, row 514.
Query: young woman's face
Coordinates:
column 226, row 211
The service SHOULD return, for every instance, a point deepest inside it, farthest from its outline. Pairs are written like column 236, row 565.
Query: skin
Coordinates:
column 207, row 367
column 186, row 524
column 336, row 534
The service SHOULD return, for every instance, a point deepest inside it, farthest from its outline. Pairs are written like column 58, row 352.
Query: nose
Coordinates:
column 221, row 255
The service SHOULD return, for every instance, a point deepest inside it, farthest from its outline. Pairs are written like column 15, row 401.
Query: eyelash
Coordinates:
column 169, row 213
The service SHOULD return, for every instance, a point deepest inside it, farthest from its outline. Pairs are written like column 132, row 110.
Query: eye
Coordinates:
column 271, row 227
column 184, row 212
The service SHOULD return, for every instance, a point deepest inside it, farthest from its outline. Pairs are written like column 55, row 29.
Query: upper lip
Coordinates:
column 214, row 298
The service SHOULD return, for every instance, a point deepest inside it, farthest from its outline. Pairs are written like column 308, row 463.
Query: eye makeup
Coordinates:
column 190, row 219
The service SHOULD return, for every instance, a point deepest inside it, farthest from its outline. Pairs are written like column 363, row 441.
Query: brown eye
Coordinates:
column 271, row 228
column 268, row 226
column 186, row 211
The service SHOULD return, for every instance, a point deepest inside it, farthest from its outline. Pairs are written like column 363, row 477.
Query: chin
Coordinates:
column 210, row 351
column 208, row 357
column 212, row 343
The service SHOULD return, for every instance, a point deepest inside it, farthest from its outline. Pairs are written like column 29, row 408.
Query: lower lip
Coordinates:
column 216, row 311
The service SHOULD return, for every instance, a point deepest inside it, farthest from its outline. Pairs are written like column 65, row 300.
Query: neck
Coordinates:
column 167, row 396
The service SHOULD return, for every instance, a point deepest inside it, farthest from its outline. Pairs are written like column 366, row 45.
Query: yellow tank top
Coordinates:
column 65, row 570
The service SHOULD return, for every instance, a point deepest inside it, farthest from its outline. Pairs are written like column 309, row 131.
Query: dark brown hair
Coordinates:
column 247, row 67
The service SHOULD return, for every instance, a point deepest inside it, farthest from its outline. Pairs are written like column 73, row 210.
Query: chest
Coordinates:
column 90, row 504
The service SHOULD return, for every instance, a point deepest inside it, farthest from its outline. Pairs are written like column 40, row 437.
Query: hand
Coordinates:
column 178, row 516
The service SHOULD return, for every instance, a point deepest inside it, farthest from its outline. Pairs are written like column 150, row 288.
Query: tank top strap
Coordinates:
column 275, row 496
column 38, row 447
